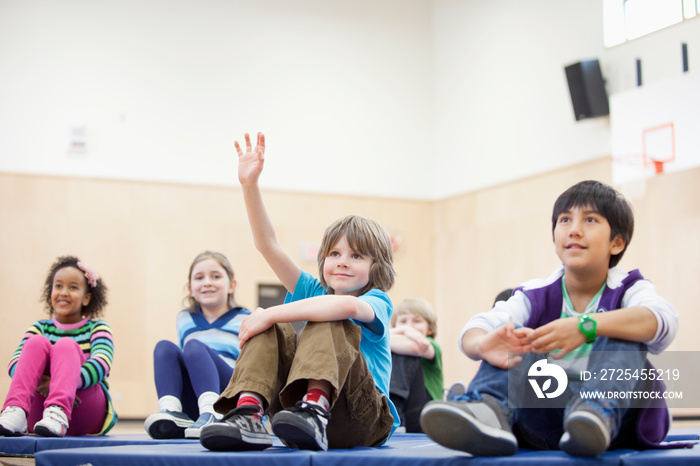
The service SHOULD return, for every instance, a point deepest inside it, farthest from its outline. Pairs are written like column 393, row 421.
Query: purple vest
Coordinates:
column 546, row 303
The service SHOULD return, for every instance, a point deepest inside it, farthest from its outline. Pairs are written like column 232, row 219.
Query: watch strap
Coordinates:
column 587, row 325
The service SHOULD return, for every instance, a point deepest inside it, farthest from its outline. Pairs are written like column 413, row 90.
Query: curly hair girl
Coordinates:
column 96, row 287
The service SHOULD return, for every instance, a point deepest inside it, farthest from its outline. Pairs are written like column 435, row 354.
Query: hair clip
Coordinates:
column 90, row 273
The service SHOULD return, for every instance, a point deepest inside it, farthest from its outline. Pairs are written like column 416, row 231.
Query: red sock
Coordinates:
column 318, row 397
column 250, row 400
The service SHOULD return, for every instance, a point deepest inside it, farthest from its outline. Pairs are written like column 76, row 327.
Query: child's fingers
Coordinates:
column 238, row 148
column 558, row 354
column 523, row 333
column 247, row 142
column 514, row 361
column 261, row 143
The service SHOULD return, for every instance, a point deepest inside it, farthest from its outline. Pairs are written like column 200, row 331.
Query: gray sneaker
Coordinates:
column 167, row 424
column 471, row 423
column 587, row 428
column 455, row 390
column 303, row 426
column 240, row 430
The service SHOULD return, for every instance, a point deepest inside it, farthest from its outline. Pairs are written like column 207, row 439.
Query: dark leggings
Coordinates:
column 187, row 373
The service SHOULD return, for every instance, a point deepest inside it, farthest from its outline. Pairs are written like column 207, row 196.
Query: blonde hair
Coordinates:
column 224, row 263
column 368, row 238
column 419, row 307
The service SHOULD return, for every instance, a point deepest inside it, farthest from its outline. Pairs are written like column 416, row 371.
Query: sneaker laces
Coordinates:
column 314, row 410
column 469, row 396
column 248, row 417
column 244, row 410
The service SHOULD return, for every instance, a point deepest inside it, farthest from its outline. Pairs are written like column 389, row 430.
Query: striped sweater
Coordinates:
column 220, row 335
column 94, row 338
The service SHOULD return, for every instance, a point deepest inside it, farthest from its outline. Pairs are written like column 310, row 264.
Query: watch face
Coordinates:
column 588, row 325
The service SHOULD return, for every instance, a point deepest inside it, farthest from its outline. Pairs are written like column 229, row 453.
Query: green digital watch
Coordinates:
column 587, row 325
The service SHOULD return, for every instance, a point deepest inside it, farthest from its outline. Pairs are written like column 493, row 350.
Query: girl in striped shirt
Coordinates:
column 191, row 374
column 59, row 370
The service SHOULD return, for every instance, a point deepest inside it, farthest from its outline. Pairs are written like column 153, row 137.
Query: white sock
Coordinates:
column 206, row 404
column 171, row 403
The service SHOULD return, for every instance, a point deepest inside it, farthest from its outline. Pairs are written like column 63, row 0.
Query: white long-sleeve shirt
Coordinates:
column 642, row 293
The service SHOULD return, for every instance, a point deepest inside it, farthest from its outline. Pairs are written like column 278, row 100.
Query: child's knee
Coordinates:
column 165, row 347
column 38, row 341
column 194, row 346
column 67, row 344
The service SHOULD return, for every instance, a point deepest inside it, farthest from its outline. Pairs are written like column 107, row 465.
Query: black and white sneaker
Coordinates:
column 167, row 424
column 240, row 430
column 303, row 426
column 471, row 423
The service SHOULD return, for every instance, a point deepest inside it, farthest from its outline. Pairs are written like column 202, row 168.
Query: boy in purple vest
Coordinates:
column 586, row 318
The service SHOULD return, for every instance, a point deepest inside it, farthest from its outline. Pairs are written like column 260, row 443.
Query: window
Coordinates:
column 628, row 19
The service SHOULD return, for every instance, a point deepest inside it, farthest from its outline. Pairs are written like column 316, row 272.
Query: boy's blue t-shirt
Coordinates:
column 374, row 345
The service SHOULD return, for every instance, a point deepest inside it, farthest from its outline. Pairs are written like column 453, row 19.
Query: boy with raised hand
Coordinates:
column 588, row 314
column 329, row 389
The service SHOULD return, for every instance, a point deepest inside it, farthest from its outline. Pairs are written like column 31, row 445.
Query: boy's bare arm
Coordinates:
column 632, row 324
column 250, row 165
column 323, row 308
column 497, row 347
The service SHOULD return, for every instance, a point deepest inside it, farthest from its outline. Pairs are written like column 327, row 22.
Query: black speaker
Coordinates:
column 587, row 89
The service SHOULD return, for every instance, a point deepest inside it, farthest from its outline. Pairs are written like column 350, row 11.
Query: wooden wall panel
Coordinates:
column 494, row 239
column 458, row 252
column 142, row 237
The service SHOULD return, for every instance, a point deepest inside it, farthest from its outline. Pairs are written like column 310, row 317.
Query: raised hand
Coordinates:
column 250, row 163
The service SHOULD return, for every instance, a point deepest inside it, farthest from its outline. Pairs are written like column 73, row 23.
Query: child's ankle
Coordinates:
column 250, row 399
column 318, row 397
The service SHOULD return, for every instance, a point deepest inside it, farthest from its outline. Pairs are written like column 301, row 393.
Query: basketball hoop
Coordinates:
column 659, row 166
column 659, row 146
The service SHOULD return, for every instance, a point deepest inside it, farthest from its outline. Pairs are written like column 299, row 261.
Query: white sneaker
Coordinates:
column 54, row 423
column 13, row 421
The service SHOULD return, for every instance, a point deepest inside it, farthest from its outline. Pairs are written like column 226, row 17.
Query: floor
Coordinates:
column 128, row 426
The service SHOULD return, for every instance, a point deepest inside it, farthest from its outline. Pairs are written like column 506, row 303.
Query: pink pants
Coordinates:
column 62, row 362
